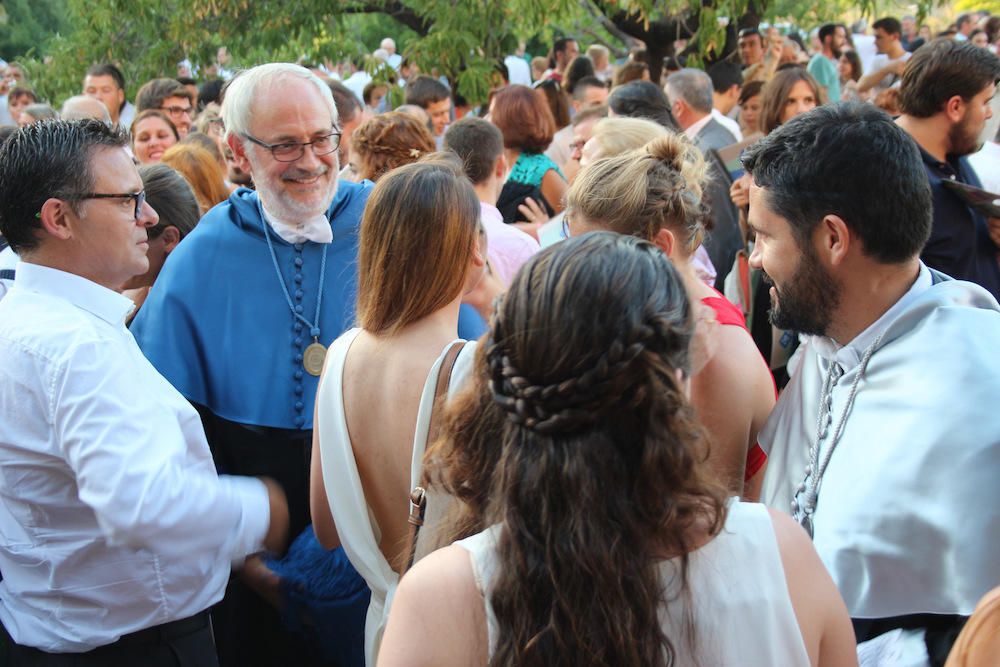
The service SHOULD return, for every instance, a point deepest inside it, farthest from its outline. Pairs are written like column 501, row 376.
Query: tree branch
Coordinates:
column 397, row 10
column 607, row 24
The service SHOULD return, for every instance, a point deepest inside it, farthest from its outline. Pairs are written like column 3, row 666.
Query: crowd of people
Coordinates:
column 695, row 371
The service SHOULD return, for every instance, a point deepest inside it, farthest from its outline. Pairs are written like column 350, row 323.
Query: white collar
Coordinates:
column 849, row 356
column 87, row 295
column 316, row 229
column 693, row 129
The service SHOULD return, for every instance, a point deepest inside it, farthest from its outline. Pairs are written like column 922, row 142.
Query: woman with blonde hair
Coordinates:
column 655, row 193
column 605, row 540
column 377, row 392
column 201, row 170
column 388, row 141
column 614, row 136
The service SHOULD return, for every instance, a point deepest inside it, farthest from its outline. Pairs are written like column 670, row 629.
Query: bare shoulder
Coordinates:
column 448, row 570
column 738, row 357
column 790, row 534
column 438, row 615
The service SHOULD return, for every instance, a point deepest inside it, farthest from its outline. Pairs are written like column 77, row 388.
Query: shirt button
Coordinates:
column 298, row 294
column 297, row 342
column 298, row 278
column 297, row 375
column 298, row 309
column 298, row 261
column 298, row 326
column 299, row 406
column 298, row 358
column 298, row 247
column 300, row 420
column 298, row 390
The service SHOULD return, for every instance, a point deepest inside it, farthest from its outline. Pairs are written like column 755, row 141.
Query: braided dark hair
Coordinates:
column 598, row 472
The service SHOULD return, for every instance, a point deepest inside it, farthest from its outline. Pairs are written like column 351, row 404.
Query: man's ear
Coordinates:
column 500, row 167
column 171, row 237
column 954, row 108
column 56, row 218
column 834, row 240
column 239, row 154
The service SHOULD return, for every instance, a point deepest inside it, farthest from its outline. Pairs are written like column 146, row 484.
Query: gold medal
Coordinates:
column 313, row 358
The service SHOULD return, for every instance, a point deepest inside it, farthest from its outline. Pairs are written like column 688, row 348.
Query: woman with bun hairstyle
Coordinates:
column 655, row 193
column 608, row 542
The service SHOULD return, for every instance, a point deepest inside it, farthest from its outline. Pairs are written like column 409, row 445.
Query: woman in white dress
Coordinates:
column 610, row 542
column 420, row 251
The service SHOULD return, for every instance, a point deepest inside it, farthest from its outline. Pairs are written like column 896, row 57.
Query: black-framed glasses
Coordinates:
column 292, row 151
column 138, row 197
column 177, row 111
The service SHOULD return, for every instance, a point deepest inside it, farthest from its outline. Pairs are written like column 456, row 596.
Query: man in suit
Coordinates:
column 690, row 94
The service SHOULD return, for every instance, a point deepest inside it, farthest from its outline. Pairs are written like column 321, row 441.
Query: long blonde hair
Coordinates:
column 641, row 191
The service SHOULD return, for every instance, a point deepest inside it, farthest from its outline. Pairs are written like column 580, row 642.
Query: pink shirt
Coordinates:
column 509, row 247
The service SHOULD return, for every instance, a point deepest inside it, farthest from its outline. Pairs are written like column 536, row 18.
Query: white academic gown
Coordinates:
column 908, row 516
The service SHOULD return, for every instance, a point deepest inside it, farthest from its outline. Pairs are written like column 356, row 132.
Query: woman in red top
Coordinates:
column 655, row 193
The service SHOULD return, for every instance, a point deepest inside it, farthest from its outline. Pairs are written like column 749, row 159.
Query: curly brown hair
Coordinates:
column 579, row 441
column 389, row 140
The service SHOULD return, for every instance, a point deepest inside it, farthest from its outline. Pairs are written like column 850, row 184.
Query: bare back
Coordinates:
column 382, row 385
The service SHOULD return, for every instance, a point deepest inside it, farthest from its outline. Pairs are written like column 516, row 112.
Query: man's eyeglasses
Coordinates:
column 138, row 197
column 178, row 111
column 290, row 152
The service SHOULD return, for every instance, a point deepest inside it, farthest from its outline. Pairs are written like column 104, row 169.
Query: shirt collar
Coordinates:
column 850, row 355
column 693, row 129
column 490, row 213
column 87, row 295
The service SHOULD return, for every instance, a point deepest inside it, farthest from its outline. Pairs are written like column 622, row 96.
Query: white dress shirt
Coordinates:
column 728, row 123
column 8, row 260
column 113, row 518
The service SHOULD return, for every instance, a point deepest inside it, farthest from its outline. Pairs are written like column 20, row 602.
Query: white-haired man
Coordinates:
column 240, row 316
column 394, row 59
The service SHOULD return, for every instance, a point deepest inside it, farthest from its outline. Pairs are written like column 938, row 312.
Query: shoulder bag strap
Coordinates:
column 418, row 497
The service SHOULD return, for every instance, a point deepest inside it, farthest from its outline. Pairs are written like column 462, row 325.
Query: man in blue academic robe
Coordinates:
column 239, row 318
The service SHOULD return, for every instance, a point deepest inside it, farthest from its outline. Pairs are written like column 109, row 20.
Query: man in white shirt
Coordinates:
column 727, row 82
column 392, row 58
column 887, row 67
column 885, row 445
column 116, row 532
column 690, row 95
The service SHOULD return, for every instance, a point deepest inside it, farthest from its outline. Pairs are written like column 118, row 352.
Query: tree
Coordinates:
column 462, row 39
column 26, row 25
